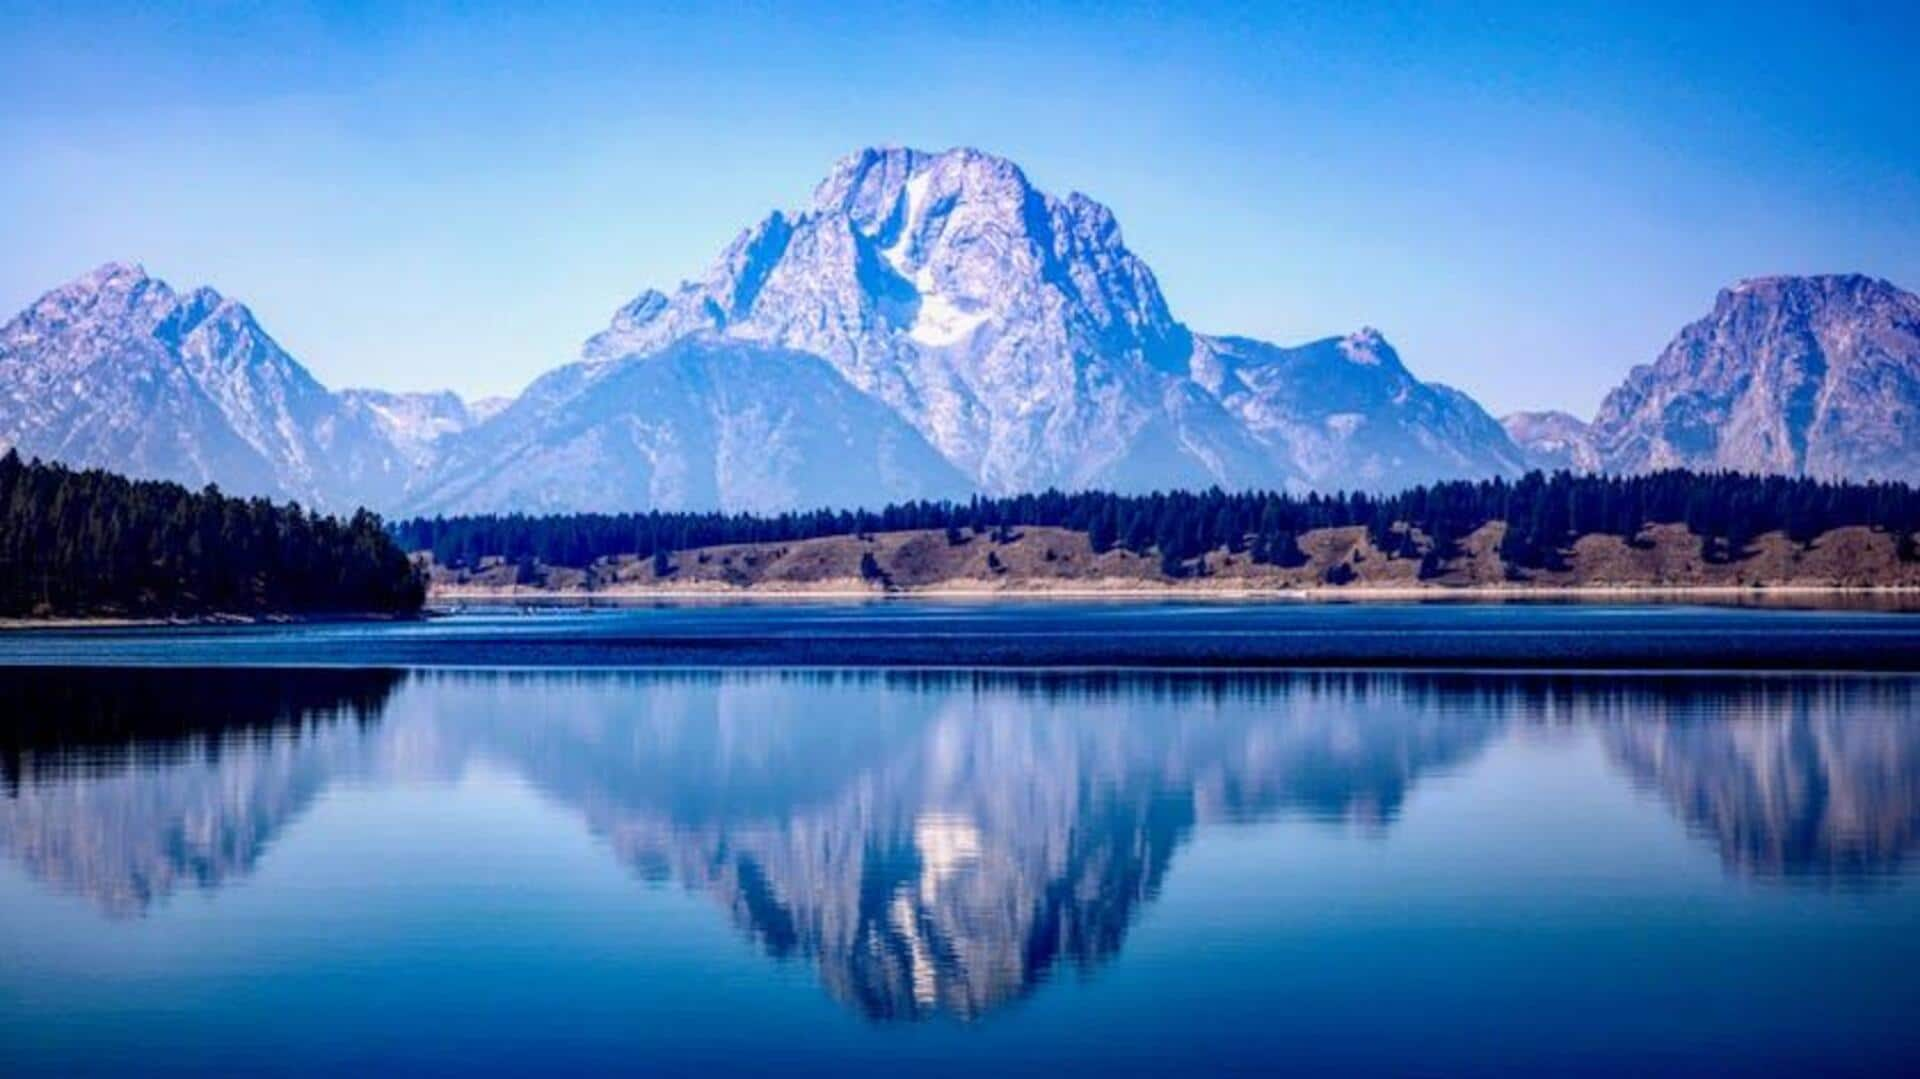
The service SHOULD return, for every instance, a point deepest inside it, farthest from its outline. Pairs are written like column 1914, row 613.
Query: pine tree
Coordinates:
column 1171, row 564
column 1284, row 550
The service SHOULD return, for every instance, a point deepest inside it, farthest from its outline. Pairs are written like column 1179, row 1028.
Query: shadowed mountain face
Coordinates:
column 740, row 428
column 932, row 844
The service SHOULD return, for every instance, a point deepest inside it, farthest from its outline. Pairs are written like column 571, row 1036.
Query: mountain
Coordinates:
column 414, row 422
column 1344, row 412
column 117, row 370
column 1552, row 440
column 1012, row 330
column 705, row 423
column 1816, row 375
column 1017, row 334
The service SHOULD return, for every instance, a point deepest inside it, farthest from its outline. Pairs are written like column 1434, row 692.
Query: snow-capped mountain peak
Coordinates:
column 1018, row 340
column 1013, row 330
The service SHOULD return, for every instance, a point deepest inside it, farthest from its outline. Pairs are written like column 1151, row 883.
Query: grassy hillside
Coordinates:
column 1060, row 560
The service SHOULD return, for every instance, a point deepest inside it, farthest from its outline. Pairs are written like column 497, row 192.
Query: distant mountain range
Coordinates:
column 928, row 326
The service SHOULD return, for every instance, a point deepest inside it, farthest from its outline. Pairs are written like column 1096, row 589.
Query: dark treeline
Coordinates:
column 66, row 721
column 1545, row 514
column 92, row 542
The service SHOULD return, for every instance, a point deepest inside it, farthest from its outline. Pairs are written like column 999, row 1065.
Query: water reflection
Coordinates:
column 1810, row 781
column 933, row 843
column 126, row 784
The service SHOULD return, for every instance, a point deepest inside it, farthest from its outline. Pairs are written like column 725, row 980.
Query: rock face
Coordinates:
column 116, row 370
column 1815, row 375
column 1552, row 440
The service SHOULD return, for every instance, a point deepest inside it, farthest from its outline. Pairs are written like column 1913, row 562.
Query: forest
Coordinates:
column 91, row 542
column 1545, row 513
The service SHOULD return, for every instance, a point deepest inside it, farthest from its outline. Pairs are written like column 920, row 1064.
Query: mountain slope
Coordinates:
column 707, row 423
column 413, row 423
column 1816, row 375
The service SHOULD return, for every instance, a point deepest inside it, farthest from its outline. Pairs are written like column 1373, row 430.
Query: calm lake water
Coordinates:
column 536, row 843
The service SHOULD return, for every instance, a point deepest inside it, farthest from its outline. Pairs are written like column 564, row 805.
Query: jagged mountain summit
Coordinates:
column 117, row 370
column 1815, row 375
column 1019, row 336
column 414, row 423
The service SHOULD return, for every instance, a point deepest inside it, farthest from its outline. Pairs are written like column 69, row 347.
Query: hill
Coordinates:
column 1671, row 529
column 1061, row 562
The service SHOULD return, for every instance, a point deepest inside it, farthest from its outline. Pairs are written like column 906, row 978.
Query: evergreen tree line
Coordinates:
column 1545, row 513
column 92, row 542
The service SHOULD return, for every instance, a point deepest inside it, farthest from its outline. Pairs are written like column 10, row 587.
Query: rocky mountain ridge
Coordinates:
column 928, row 325
column 117, row 370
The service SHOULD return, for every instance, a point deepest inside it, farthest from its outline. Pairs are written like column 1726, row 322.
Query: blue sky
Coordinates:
column 1526, row 202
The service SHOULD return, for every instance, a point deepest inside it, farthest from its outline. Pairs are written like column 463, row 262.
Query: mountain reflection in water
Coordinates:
column 933, row 843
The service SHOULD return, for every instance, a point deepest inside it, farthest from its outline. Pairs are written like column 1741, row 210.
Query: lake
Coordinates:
column 937, row 838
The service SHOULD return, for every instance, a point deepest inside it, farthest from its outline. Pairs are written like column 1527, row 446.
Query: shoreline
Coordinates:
column 217, row 618
column 520, row 594
column 441, row 602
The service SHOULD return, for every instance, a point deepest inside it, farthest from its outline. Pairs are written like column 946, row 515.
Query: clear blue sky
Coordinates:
column 1526, row 202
